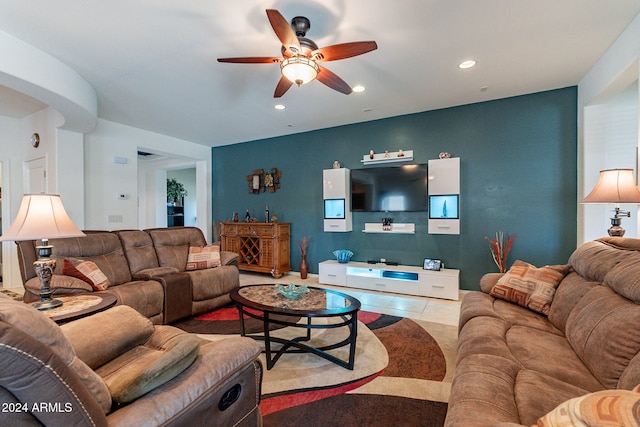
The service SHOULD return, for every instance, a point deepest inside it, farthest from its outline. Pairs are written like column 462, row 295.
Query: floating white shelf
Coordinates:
column 406, row 156
column 399, row 228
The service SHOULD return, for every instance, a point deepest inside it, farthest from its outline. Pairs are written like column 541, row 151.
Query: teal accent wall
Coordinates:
column 518, row 161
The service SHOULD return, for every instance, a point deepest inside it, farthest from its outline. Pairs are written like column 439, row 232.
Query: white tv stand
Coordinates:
column 400, row 279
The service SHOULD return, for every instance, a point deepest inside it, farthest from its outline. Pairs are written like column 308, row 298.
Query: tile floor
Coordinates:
column 422, row 308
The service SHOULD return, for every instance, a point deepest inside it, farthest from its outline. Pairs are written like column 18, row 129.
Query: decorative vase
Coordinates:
column 387, row 224
column 304, row 268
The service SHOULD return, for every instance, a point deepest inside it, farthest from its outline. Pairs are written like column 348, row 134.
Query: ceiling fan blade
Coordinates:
column 252, row 60
column 333, row 81
column 283, row 86
column 343, row 50
column 283, row 30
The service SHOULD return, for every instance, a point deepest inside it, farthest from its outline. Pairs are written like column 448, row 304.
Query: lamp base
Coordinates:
column 616, row 229
column 44, row 267
column 46, row 304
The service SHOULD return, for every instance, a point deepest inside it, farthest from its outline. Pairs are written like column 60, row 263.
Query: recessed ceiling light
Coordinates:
column 279, row 107
column 358, row 88
column 467, row 64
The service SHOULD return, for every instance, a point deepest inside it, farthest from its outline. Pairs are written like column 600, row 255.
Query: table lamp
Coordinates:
column 43, row 217
column 615, row 186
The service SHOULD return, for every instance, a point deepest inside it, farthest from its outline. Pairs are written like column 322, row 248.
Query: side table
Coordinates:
column 80, row 305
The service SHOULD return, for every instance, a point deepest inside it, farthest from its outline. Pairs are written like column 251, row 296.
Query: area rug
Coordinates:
column 16, row 296
column 402, row 374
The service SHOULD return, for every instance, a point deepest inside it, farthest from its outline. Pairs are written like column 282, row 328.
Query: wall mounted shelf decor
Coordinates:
column 396, row 228
column 387, row 157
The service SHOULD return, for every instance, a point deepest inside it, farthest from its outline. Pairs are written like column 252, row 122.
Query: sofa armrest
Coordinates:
column 488, row 281
column 177, row 296
column 229, row 258
column 154, row 272
column 100, row 338
column 33, row 374
column 193, row 397
column 60, row 284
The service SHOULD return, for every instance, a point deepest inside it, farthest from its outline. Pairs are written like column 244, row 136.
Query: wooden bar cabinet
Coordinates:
column 263, row 247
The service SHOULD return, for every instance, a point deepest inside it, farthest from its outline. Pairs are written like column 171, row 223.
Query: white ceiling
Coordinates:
column 153, row 62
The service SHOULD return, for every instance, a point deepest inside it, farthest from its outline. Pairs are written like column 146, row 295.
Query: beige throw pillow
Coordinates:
column 611, row 408
column 529, row 286
column 200, row 258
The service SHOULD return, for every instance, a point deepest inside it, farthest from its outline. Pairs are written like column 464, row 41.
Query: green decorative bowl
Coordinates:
column 291, row 291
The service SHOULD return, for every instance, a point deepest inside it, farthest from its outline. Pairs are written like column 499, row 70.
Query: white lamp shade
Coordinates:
column 614, row 186
column 41, row 216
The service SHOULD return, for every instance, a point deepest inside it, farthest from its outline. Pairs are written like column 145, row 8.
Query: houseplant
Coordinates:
column 175, row 191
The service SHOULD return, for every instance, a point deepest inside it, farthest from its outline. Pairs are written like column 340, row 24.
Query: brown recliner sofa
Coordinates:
column 145, row 268
column 516, row 366
column 95, row 372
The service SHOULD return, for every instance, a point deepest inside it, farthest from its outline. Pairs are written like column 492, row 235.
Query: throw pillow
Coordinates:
column 87, row 271
column 203, row 257
column 602, row 408
column 529, row 286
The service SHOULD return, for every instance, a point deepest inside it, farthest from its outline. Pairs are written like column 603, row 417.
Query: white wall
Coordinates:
column 608, row 120
column 10, row 159
column 610, row 142
column 58, row 149
column 69, row 174
column 105, row 179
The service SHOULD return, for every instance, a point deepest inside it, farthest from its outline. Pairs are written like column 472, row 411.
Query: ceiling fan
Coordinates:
column 300, row 55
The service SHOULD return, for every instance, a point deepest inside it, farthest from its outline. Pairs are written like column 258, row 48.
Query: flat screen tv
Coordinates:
column 389, row 189
column 334, row 209
column 444, row 206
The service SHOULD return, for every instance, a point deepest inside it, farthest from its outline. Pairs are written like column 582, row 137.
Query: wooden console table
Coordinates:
column 263, row 247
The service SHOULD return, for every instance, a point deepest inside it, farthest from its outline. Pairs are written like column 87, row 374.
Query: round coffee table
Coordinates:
column 270, row 307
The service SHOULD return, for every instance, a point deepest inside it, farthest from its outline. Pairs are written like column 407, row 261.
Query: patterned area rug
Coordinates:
column 402, row 375
column 16, row 296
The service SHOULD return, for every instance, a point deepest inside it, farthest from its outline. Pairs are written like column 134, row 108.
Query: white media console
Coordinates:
column 400, row 279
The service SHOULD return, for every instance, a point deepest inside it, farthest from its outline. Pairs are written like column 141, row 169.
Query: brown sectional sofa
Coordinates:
column 515, row 365
column 145, row 268
column 95, row 372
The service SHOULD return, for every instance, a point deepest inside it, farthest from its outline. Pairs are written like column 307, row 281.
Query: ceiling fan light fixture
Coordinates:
column 299, row 69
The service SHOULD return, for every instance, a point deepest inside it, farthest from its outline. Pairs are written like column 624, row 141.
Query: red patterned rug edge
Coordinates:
column 279, row 401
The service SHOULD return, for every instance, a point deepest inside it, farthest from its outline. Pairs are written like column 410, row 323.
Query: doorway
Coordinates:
column 153, row 170
column 186, row 177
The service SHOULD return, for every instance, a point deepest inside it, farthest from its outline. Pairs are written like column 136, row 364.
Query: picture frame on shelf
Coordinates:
column 432, row 264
